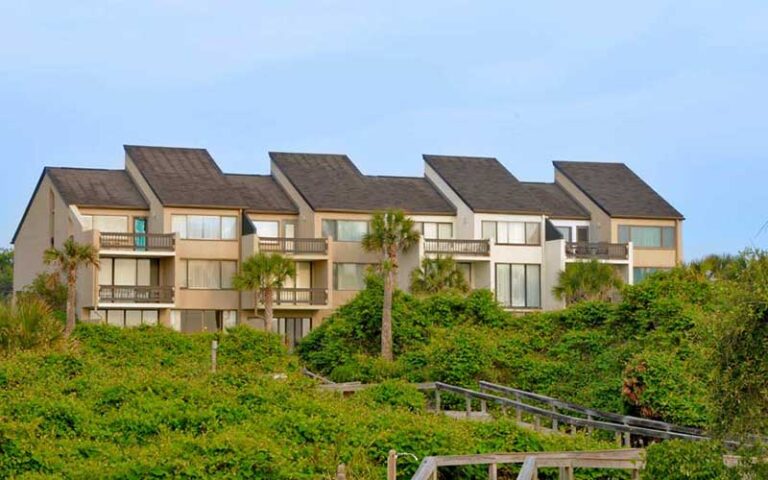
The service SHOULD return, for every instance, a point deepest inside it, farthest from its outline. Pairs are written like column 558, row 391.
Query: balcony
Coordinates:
column 597, row 251
column 481, row 248
column 295, row 246
column 301, row 296
column 138, row 242
column 135, row 294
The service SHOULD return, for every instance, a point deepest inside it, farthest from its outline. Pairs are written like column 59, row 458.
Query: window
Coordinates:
column 582, row 234
column 641, row 273
column 518, row 285
column 647, row 237
column 565, row 232
column 207, row 274
column 127, row 318
column 267, row 229
column 292, row 329
column 345, row 230
column 106, row 223
column 129, row 271
column 193, row 321
column 349, row 276
column 513, row 233
column 205, row 227
column 435, row 230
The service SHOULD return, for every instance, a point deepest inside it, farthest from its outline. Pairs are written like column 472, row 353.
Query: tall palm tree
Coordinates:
column 67, row 260
column 586, row 281
column 390, row 232
column 264, row 273
column 436, row 275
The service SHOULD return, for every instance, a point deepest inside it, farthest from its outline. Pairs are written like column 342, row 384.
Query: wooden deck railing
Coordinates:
column 458, row 247
column 135, row 294
column 566, row 462
column 599, row 250
column 301, row 296
column 293, row 245
column 138, row 242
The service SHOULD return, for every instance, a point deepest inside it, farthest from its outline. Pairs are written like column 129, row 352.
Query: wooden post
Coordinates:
column 636, row 474
column 589, row 428
column 392, row 465
column 627, row 439
column 561, row 473
column 483, row 406
column 493, row 472
column 554, row 420
column 569, row 472
column 214, row 349
column 537, row 422
column 437, row 400
column 618, row 439
column 468, row 400
column 518, row 412
column 341, row 472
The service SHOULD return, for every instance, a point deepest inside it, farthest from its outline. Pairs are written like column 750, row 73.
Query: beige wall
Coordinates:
column 305, row 221
column 652, row 257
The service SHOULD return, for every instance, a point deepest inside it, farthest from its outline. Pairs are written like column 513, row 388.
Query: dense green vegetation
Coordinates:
column 647, row 355
column 142, row 403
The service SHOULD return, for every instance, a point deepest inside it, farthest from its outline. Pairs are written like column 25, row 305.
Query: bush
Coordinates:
column 28, row 324
column 685, row 460
column 393, row 393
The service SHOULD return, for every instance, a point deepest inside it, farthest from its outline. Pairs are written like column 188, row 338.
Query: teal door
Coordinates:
column 140, row 229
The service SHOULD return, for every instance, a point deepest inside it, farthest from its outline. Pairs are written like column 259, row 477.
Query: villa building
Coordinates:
column 172, row 229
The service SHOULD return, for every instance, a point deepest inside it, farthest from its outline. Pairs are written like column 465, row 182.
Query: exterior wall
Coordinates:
column 464, row 225
column 600, row 225
column 554, row 263
column 305, row 226
column 652, row 257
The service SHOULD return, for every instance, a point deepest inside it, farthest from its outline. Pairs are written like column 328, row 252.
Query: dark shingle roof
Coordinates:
column 484, row 184
column 184, row 177
column 87, row 187
column 556, row 201
column 261, row 193
column 330, row 182
column 617, row 190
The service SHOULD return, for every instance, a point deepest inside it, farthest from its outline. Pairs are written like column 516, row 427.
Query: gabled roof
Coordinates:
column 261, row 193
column 90, row 187
column 556, row 201
column 484, row 184
column 617, row 190
column 184, row 177
column 330, row 182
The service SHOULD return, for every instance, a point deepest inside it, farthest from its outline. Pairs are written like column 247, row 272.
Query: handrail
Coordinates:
column 567, row 419
column 560, row 404
column 620, row 459
column 293, row 245
column 301, row 296
column 315, row 376
column 135, row 294
column 139, row 242
column 457, row 246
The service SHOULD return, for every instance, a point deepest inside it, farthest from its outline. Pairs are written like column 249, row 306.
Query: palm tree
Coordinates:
column 68, row 260
column 436, row 275
column 264, row 273
column 586, row 281
column 390, row 232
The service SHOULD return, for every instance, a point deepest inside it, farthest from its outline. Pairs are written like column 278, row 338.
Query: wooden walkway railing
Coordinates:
column 531, row 462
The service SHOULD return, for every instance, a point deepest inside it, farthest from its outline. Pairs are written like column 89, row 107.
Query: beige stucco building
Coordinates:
column 172, row 229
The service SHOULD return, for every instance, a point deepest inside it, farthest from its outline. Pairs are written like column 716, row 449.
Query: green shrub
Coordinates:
column 393, row 393
column 29, row 323
column 685, row 460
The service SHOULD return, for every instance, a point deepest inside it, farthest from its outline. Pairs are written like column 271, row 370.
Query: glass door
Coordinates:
column 289, row 230
column 140, row 229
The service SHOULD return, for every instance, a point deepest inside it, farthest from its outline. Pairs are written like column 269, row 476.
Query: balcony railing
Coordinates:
column 599, row 251
column 138, row 242
column 135, row 294
column 301, row 296
column 458, row 247
column 293, row 245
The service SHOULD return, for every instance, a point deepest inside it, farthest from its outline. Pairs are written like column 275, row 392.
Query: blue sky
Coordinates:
column 675, row 89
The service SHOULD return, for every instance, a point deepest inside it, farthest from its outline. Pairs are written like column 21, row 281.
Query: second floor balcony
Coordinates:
column 481, row 248
column 138, row 242
column 301, row 296
column 597, row 251
column 135, row 294
column 294, row 246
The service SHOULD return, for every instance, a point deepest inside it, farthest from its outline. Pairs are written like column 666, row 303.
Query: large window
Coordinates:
column 513, row 233
column 345, row 230
column 349, row 276
column 641, row 273
column 518, row 285
column 193, row 321
column 129, row 271
column 565, row 232
column 204, row 227
column 207, row 274
column 292, row 329
column 266, row 228
column 647, row 237
column 125, row 318
column 435, row 230
column 106, row 223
